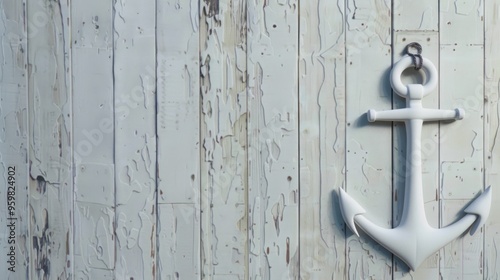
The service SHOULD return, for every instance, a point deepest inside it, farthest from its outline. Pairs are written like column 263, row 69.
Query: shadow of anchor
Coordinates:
column 413, row 240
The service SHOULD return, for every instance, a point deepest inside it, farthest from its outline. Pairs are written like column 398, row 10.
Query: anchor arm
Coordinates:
column 399, row 241
column 396, row 240
column 476, row 214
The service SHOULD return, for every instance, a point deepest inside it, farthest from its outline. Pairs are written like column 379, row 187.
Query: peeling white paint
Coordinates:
column 322, row 133
column 462, row 64
column 273, row 139
column 93, row 138
column 135, row 141
column 178, row 129
column 50, row 123
column 223, row 136
column 492, row 124
column 368, row 160
column 208, row 139
column 14, row 241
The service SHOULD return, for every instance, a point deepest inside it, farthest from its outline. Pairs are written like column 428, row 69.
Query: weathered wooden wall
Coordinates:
column 208, row 139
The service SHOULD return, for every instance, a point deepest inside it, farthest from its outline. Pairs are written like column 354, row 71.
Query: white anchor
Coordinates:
column 413, row 240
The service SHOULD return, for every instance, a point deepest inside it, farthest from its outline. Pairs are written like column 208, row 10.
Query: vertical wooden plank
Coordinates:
column 322, row 138
column 368, row 158
column 50, row 123
column 178, row 102
column 178, row 139
column 223, row 133
column 492, row 125
column 135, row 138
column 178, row 240
column 14, row 241
column 461, row 149
column 93, row 138
column 273, row 139
column 417, row 21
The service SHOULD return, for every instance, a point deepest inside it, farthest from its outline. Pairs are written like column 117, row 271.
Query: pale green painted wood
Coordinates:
column 14, row 237
column 322, row 103
column 134, row 42
column 224, row 158
column 237, row 122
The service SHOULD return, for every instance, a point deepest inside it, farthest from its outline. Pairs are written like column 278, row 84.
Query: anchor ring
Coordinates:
column 402, row 65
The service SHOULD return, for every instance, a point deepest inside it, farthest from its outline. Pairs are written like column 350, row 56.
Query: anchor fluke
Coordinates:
column 350, row 209
column 481, row 208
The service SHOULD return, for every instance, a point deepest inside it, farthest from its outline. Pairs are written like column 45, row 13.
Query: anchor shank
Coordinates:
column 413, row 200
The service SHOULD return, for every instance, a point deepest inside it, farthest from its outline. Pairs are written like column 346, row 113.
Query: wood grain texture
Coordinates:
column 322, row 133
column 178, row 241
column 93, row 138
column 50, row 147
column 273, row 139
column 461, row 22
column 178, row 101
column 135, row 139
column 15, row 236
column 178, row 133
column 209, row 139
column 368, row 159
column 415, row 15
column 223, row 133
column 461, row 142
column 491, row 129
